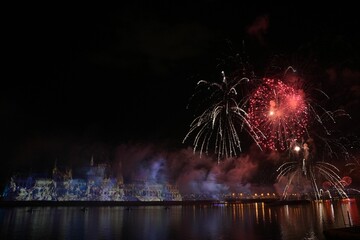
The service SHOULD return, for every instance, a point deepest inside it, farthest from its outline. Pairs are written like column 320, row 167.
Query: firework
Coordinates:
column 279, row 112
column 346, row 181
column 354, row 165
column 315, row 99
column 289, row 112
column 222, row 121
column 303, row 165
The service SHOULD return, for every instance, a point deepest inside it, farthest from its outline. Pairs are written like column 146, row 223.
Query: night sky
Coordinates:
column 82, row 80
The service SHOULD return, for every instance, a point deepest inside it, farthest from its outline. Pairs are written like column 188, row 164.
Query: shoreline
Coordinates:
column 42, row 203
column 271, row 202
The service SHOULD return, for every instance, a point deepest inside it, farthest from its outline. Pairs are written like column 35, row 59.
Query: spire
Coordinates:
column 55, row 168
column 92, row 161
column 120, row 177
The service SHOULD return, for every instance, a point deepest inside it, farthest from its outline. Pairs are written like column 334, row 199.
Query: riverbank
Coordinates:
column 125, row 203
column 271, row 202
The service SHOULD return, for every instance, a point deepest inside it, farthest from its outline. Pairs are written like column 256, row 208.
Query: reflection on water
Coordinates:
column 224, row 221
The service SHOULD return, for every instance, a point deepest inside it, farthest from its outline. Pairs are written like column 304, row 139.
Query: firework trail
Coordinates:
column 303, row 165
column 301, row 116
column 354, row 166
column 284, row 114
column 223, row 120
column 315, row 99
column 321, row 126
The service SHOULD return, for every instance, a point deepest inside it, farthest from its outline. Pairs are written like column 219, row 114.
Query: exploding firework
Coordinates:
column 331, row 143
column 279, row 112
column 284, row 114
column 346, row 181
column 222, row 121
column 303, row 165
column 315, row 99
column 308, row 162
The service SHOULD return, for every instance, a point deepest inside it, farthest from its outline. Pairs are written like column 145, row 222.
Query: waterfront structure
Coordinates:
column 96, row 186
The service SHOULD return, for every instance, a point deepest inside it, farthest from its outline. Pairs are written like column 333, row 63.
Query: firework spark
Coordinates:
column 303, row 165
column 278, row 111
column 307, row 161
column 223, row 120
column 315, row 99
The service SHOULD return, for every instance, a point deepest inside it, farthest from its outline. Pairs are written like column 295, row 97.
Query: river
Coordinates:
column 225, row 221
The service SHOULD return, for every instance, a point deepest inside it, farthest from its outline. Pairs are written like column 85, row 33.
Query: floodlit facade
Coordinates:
column 95, row 187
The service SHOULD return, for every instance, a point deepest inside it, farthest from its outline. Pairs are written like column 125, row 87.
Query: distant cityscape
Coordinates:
column 97, row 186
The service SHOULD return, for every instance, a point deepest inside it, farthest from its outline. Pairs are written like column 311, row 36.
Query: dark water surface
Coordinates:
column 248, row 221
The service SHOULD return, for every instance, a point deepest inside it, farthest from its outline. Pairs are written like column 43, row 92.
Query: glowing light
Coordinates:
column 346, row 180
column 310, row 170
column 95, row 187
column 326, row 185
column 297, row 148
column 279, row 112
column 222, row 121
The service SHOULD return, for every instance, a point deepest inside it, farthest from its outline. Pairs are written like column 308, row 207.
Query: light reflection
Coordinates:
column 230, row 221
column 257, row 213
column 269, row 215
column 329, row 211
column 242, row 210
column 350, row 212
column 263, row 211
column 234, row 215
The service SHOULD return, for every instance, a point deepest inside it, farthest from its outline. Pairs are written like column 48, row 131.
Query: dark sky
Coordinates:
column 91, row 77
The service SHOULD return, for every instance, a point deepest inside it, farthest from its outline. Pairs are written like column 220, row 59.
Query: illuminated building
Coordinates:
column 97, row 186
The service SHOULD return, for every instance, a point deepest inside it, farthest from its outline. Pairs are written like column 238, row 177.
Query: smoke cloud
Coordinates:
column 190, row 172
column 259, row 28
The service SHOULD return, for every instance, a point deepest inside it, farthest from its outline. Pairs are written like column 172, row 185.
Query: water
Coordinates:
column 219, row 222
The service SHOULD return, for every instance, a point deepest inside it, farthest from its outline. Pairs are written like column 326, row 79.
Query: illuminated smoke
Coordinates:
column 259, row 28
column 190, row 173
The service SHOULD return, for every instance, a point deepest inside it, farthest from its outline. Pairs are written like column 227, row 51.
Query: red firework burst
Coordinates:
column 279, row 112
column 346, row 181
column 326, row 185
